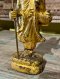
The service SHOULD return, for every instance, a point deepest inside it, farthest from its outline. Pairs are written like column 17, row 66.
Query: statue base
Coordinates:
column 30, row 63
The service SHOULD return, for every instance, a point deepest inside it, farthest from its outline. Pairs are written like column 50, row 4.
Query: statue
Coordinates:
column 31, row 15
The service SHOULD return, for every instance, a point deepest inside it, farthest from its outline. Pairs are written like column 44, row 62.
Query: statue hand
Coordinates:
column 45, row 18
column 30, row 13
column 13, row 14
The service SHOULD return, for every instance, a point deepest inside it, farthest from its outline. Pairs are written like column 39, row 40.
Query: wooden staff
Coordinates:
column 17, row 49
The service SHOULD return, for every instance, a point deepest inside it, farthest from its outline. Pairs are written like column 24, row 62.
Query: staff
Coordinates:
column 15, row 32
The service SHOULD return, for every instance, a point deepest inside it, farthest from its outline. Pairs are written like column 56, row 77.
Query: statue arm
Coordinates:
column 44, row 16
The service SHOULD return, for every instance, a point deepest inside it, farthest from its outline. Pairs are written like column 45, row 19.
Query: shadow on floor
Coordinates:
column 45, row 47
column 50, row 75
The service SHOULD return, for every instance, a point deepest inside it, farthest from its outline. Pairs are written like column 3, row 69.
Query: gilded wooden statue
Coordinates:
column 30, row 15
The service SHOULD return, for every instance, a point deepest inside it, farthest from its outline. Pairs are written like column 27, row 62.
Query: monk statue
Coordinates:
column 31, row 15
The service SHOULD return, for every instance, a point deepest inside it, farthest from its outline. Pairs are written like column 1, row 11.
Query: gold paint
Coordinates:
column 32, row 15
column 27, row 64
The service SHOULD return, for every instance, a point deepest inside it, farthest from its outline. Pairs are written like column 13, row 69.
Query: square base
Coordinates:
column 29, row 64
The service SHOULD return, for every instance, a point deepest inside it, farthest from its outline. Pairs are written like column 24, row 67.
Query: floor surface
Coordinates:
column 50, row 50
